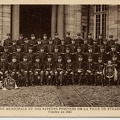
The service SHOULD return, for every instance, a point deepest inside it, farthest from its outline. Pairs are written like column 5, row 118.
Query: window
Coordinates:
column 100, row 20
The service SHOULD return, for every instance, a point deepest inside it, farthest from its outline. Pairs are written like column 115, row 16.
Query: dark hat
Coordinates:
column 104, row 39
column 63, row 40
column 2, row 57
column 20, row 34
column 30, row 47
column 42, row 47
column 90, row 47
column 99, row 58
column 59, row 57
column 56, row 33
column 32, row 35
column 39, row 39
column 37, row 57
column 100, row 34
column 110, row 36
column 95, row 41
column 89, row 33
column 68, row 33
column 49, row 56
column 79, row 47
column 80, row 56
column 18, row 47
column 102, row 47
column 73, row 39
column 68, row 58
column 8, row 34
column 112, row 46
column 44, row 34
column 78, row 34
column 56, row 47
column 114, row 55
column 14, row 57
column 26, row 38
column 67, row 48
column 25, row 56
column 90, row 57
column 14, row 41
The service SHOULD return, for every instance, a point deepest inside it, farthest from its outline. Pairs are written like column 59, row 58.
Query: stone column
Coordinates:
column 60, row 23
column 15, row 22
column 53, row 20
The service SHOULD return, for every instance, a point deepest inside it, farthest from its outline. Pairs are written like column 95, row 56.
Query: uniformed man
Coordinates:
column 38, row 71
column 99, row 72
column 67, row 54
column 67, row 38
column 42, row 55
column 85, row 46
column 38, row 45
column 73, row 46
column 79, row 69
column 62, row 46
column 100, row 40
column 49, row 67
column 18, row 54
column 113, row 52
column 14, row 70
column 7, row 42
column 30, row 55
column 90, row 67
column 13, row 47
column 6, row 54
column 32, row 40
column 89, row 39
column 116, row 64
column 95, row 47
column 25, row 69
column 59, row 71
column 26, row 45
column 56, row 53
column 103, row 54
column 79, row 40
column 69, row 71
column 1, row 48
column 57, row 40
column 3, row 67
column 20, row 42
column 110, row 40
column 78, row 53
column 106, row 46
column 45, row 39
column 50, row 46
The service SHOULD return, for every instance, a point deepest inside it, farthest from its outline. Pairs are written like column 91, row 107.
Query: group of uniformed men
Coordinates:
column 32, row 61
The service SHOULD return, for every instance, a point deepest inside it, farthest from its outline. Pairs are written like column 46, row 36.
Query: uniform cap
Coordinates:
column 90, row 47
column 26, row 38
column 14, row 57
column 110, row 36
column 80, row 56
column 25, row 56
column 5, row 47
column 68, row 33
column 99, row 58
column 42, row 47
column 21, row 35
column 89, row 33
column 14, row 41
column 101, row 47
column 67, row 48
column 32, row 35
column 116, row 39
column 78, row 34
column 49, row 56
column 56, row 47
column 44, row 34
column 112, row 46
column 56, row 33
column 104, row 39
column 39, row 39
column 37, row 57
column 8, row 34
column 59, row 57
column 78, row 47
column 18, row 47
column 30, row 47
column 90, row 57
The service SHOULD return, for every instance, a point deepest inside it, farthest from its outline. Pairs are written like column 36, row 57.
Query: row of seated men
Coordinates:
column 28, row 52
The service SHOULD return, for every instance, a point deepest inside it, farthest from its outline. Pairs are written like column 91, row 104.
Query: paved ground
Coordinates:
column 58, row 96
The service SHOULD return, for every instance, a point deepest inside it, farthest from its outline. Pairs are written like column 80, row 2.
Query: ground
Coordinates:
column 59, row 96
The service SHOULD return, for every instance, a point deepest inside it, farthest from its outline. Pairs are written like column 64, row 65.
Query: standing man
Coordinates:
column 90, row 39
column 79, row 40
column 67, row 38
column 20, row 42
column 57, row 40
column 8, row 41
column 32, row 40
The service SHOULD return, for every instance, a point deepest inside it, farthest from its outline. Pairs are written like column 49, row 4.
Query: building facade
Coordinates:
column 94, row 19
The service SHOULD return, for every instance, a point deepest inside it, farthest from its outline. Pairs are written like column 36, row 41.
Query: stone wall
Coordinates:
column 73, row 19
column 5, row 21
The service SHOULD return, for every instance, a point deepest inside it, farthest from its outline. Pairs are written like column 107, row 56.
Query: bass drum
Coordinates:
column 109, row 71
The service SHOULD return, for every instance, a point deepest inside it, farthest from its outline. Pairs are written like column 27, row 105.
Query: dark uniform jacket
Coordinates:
column 103, row 55
column 90, row 41
column 20, row 42
column 67, row 40
column 59, row 66
column 49, row 66
column 38, row 66
column 7, row 42
column 84, row 48
column 25, row 47
column 25, row 65
column 90, row 66
column 100, row 42
column 57, row 41
column 3, row 66
column 13, row 66
column 79, row 42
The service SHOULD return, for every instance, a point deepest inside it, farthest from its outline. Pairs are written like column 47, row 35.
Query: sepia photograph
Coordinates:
column 59, row 55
